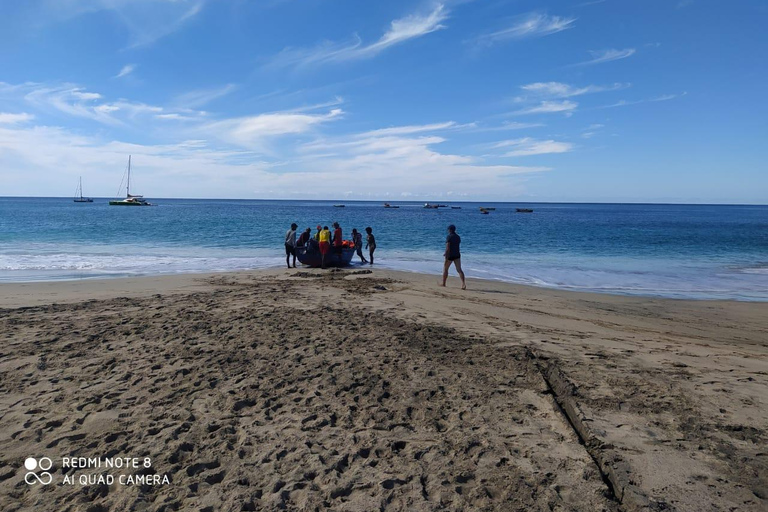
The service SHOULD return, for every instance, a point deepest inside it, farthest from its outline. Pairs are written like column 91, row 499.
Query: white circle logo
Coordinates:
column 44, row 464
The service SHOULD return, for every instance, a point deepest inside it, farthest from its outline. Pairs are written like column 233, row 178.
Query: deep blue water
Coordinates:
column 693, row 251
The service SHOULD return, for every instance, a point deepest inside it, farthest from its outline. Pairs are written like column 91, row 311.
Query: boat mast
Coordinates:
column 128, row 186
column 81, row 187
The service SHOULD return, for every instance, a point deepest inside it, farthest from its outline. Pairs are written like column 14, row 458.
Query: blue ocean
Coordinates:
column 680, row 251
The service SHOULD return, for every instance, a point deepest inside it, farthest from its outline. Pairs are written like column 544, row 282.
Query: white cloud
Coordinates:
column 601, row 56
column 200, row 97
column 400, row 30
column 507, row 125
column 146, row 20
column 548, row 107
column 177, row 117
column 9, row 118
column 76, row 101
column 274, row 154
column 251, row 131
column 528, row 146
column 531, row 25
column 380, row 166
column 406, row 130
column 561, row 90
column 126, row 70
column 663, row 97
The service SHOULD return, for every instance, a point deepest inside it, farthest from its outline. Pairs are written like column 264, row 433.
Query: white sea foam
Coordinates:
column 33, row 263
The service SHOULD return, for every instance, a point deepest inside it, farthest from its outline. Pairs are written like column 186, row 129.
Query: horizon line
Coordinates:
column 339, row 201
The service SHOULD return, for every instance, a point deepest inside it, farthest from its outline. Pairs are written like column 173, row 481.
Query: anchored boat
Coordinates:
column 79, row 193
column 130, row 199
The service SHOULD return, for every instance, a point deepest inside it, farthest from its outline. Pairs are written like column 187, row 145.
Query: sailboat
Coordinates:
column 130, row 200
column 79, row 193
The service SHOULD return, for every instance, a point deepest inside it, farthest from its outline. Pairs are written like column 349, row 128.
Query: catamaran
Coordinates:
column 130, row 200
column 79, row 193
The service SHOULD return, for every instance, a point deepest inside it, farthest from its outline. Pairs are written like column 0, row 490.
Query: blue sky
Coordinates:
column 656, row 100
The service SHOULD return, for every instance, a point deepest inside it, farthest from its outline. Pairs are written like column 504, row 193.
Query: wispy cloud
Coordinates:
column 411, row 129
column 528, row 146
column 602, row 56
column 200, row 97
column 75, row 101
column 9, row 118
column 531, row 25
column 548, row 107
column 591, row 130
column 126, row 70
column 146, row 20
column 400, row 30
column 508, row 125
column 663, row 97
column 561, row 90
column 253, row 131
column 355, row 165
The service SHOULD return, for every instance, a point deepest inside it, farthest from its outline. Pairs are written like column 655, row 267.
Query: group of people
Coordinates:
column 324, row 241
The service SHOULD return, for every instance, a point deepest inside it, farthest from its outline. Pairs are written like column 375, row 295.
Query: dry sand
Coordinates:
column 310, row 390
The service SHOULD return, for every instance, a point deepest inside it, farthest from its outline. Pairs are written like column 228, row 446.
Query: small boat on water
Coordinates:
column 387, row 205
column 487, row 209
column 455, row 207
column 130, row 199
column 523, row 210
column 311, row 257
column 339, row 206
column 430, row 206
column 79, row 193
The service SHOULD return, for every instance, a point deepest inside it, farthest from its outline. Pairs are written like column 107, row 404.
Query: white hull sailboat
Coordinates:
column 130, row 199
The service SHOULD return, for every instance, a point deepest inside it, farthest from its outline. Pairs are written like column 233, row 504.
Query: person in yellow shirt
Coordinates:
column 325, row 243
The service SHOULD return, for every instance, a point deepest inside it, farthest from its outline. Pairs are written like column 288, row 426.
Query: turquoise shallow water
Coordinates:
column 685, row 251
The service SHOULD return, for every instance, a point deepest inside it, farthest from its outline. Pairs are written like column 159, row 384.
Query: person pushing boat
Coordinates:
column 338, row 241
column 357, row 240
column 290, row 245
column 325, row 244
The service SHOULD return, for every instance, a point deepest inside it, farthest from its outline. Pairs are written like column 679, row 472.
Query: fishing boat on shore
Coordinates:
column 79, row 193
column 312, row 258
column 130, row 199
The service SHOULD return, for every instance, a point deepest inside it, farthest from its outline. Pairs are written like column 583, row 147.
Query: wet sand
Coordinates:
column 312, row 390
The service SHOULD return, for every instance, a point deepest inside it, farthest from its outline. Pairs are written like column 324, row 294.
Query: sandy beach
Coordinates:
column 360, row 391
